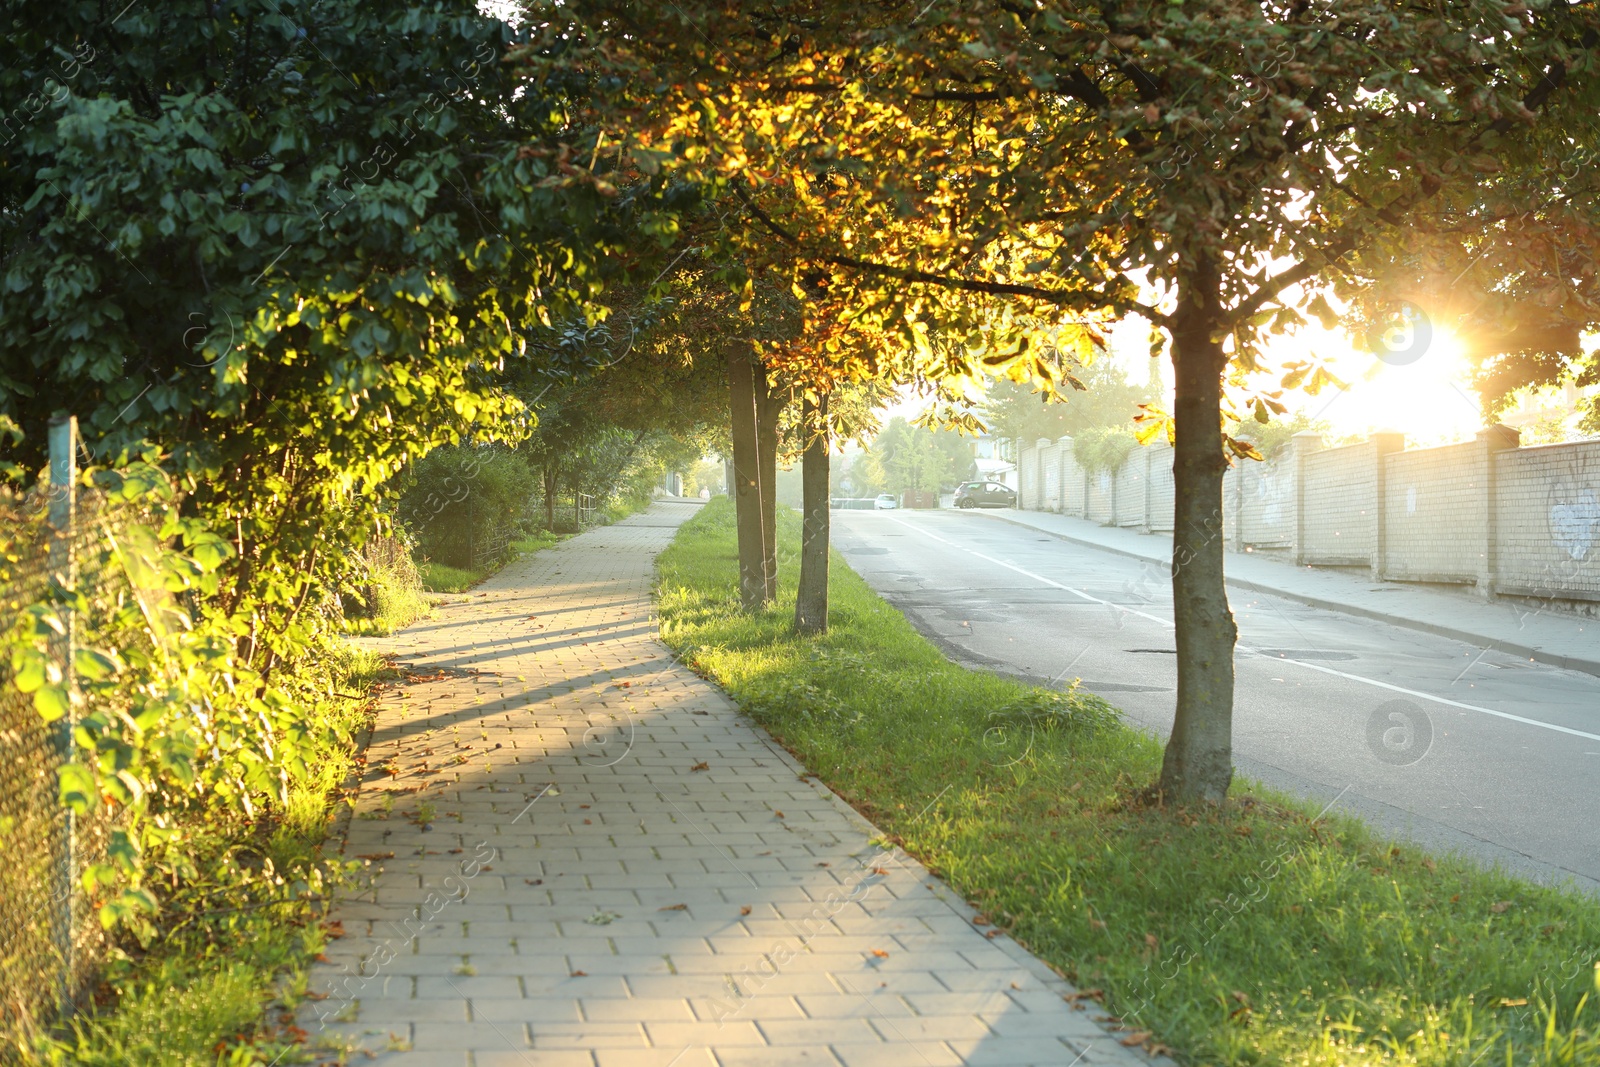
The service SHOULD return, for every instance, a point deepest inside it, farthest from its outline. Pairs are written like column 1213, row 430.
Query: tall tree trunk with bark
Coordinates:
column 746, row 487
column 1198, row 764
column 811, row 604
column 770, row 402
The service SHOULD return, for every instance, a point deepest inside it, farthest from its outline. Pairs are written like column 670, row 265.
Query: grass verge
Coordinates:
column 441, row 578
column 216, row 985
column 1252, row 934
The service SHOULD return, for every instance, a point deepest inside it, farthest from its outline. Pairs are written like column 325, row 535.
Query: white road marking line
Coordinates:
column 1245, row 648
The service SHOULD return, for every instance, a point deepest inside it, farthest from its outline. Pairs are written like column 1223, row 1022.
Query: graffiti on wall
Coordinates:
column 1575, row 521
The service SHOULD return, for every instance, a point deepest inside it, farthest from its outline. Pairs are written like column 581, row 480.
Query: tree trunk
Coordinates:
column 811, row 604
column 551, row 473
column 1198, row 764
column 746, row 478
column 770, row 403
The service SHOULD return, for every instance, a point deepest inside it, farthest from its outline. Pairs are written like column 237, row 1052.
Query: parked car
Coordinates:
column 885, row 502
column 985, row 495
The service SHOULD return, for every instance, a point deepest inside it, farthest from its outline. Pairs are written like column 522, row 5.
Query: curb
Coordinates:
column 1554, row 659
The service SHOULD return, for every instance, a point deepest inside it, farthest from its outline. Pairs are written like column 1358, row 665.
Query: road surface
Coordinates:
column 1440, row 742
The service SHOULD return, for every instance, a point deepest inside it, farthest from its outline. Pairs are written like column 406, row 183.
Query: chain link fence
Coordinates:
column 51, row 941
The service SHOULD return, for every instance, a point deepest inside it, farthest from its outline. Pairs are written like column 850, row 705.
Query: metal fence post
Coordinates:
column 64, row 569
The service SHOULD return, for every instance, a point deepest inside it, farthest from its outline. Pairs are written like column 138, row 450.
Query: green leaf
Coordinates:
column 52, row 702
column 94, row 665
column 78, row 790
column 29, row 669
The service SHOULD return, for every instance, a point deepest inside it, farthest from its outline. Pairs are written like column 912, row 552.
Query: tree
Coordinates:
column 1107, row 398
column 911, row 458
column 811, row 599
column 1204, row 165
column 289, row 245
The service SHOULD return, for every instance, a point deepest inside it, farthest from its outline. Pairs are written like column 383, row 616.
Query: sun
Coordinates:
column 1413, row 378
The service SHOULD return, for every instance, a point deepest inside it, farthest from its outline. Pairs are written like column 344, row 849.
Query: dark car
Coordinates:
column 985, row 495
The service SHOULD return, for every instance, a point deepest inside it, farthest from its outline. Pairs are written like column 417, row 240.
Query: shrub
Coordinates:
column 458, row 497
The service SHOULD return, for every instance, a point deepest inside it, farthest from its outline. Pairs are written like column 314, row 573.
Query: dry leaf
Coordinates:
column 880, row 870
column 1138, row 1037
column 375, row 856
column 745, row 910
column 674, row 907
column 880, row 953
column 701, row 766
column 578, row 974
column 979, row 920
column 1499, row 906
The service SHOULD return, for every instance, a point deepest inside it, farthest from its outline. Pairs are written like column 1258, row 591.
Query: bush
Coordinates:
column 387, row 594
column 460, row 497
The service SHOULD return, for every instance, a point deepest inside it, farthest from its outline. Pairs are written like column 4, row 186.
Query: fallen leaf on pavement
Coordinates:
column 1138, row 1037
column 674, row 907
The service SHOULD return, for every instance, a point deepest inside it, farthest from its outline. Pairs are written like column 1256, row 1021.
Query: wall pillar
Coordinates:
column 1303, row 444
column 1038, row 472
column 1382, row 445
column 1497, row 438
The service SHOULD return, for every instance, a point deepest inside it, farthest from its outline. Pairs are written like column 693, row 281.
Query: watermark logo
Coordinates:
column 1399, row 733
column 1403, row 337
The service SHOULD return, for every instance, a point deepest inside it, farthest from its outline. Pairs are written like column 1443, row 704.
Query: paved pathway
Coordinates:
column 582, row 853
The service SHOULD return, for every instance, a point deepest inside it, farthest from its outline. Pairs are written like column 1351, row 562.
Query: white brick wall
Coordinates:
column 1547, row 521
column 1436, row 508
column 1161, row 491
column 1267, row 502
column 1340, row 496
column 1435, row 513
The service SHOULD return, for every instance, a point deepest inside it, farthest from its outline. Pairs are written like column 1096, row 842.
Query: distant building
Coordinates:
column 994, row 459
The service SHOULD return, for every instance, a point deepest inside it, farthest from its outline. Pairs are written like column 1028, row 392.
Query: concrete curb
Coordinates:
column 1554, row 659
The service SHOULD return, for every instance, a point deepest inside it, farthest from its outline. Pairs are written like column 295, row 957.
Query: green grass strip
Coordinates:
column 1252, row 934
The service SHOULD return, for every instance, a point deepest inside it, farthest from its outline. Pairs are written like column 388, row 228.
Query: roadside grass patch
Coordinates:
column 1254, row 934
column 443, row 578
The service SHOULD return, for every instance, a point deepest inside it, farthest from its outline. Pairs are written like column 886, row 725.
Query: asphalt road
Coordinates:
column 1429, row 739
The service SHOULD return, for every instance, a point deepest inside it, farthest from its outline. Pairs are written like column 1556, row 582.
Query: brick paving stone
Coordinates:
column 552, row 881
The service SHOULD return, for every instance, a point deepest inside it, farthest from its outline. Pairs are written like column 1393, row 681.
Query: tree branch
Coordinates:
column 1081, row 300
